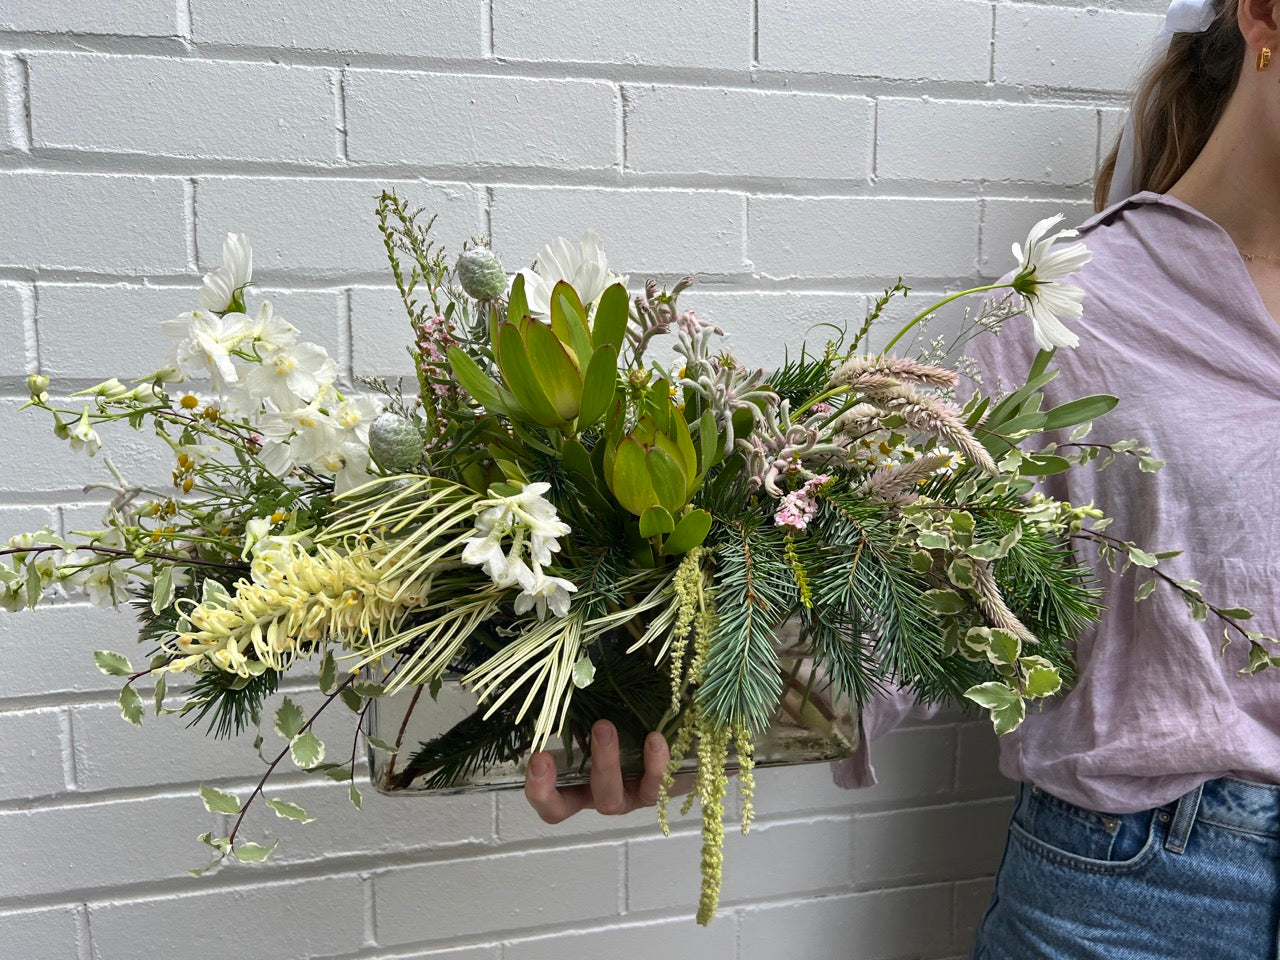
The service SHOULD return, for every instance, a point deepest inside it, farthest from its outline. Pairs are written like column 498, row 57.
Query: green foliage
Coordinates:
column 306, row 750
column 232, row 704
column 754, row 593
column 112, row 664
column 884, row 595
column 216, row 801
column 801, row 379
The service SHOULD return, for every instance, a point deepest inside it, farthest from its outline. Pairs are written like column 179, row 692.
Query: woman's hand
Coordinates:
column 607, row 792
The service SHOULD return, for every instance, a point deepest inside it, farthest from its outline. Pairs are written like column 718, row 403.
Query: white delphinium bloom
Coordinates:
column 296, row 436
column 222, row 287
column 1041, row 269
column 82, row 436
column 256, row 530
column 206, row 343
column 329, row 435
column 584, row 267
column 268, row 329
column 72, row 569
column 529, row 520
column 12, row 598
column 106, row 584
column 348, row 462
column 289, row 376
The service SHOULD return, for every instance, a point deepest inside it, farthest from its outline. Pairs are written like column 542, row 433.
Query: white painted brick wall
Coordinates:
column 160, row 106
column 432, row 119
column 747, row 133
column 796, row 154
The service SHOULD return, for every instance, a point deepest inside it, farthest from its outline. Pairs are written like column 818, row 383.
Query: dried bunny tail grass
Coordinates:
column 921, row 412
column 895, row 368
column 992, row 604
column 858, row 419
column 894, row 484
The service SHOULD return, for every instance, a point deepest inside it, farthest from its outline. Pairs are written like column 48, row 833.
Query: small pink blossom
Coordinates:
column 800, row 506
column 434, row 337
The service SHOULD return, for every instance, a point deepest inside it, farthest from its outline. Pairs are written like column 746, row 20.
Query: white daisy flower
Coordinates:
column 1039, row 279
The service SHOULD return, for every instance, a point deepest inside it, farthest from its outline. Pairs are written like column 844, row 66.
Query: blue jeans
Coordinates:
column 1197, row 879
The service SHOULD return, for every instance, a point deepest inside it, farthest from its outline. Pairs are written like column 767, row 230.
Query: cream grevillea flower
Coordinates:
column 222, row 288
column 297, row 599
column 1039, row 279
column 584, row 266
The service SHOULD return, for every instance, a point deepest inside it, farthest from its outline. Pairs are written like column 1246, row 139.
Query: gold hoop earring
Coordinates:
column 1264, row 58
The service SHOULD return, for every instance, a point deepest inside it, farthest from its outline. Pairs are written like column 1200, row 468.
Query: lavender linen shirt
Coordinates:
column 1175, row 327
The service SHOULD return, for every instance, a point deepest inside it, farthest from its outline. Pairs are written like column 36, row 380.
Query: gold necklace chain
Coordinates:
column 1252, row 257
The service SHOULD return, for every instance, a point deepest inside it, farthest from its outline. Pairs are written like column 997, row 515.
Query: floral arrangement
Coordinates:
column 580, row 530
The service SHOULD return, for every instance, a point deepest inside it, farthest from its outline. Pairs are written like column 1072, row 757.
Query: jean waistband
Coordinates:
column 1242, row 805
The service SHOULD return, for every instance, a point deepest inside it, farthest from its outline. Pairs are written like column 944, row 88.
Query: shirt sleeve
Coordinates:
column 878, row 717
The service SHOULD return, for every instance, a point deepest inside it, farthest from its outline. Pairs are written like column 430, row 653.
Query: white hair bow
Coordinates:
column 1184, row 16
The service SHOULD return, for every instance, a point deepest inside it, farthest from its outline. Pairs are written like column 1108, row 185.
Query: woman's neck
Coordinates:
column 1236, row 179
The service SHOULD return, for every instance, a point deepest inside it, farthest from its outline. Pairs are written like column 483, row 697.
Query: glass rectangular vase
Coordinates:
column 809, row 726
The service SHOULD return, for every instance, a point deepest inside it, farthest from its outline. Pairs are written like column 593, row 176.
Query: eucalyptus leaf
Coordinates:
column 353, row 701
column 162, row 590
column 158, row 693
column 34, row 588
column 1005, row 704
column 1236, row 613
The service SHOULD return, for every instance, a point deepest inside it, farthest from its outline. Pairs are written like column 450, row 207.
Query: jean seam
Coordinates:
column 1086, row 864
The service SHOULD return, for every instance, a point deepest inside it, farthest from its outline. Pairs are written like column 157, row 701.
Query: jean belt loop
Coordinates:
column 1184, row 815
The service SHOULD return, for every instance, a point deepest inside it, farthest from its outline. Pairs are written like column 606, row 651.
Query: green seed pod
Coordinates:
column 480, row 273
column 395, row 443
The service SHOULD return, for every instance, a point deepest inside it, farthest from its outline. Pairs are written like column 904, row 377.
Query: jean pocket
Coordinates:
column 1083, row 839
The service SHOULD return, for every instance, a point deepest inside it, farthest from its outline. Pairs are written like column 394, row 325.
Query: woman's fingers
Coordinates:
column 551, row 804
column 606, row 770
column 607, row 792
column 656, row 755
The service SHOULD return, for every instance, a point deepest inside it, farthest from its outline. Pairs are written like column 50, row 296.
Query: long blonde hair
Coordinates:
column 1179, row 101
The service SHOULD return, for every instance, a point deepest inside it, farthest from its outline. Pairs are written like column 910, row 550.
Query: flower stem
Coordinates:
column 937, row 306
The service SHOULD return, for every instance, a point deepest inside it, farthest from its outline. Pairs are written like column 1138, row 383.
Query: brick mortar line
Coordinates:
column 190, row 187
column 104, row 163
column 745, row 78
column 739, row 282
column 341, row 127
column 84, row 933
column 95, row 698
